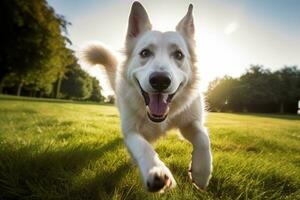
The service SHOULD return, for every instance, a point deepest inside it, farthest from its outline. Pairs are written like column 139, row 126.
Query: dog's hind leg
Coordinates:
column 201, row 166
column 156, row 176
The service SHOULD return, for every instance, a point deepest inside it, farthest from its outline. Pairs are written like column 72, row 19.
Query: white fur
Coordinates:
column 186, row 110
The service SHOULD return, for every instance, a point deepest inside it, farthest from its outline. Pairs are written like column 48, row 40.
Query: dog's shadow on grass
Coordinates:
column 29, row 172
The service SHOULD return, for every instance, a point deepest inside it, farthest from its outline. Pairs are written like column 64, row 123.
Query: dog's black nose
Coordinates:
column 160, row 81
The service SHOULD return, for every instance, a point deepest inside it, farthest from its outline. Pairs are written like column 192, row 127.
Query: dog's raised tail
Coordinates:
column 98, row 54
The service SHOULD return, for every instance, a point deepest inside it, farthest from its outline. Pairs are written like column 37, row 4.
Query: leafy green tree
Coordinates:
column 111, row 99
column 77, row 84
column 288, row 88
column 257, row 90
column 96, row 91
column 32, row 43
column 220, row 94
column 64, row 64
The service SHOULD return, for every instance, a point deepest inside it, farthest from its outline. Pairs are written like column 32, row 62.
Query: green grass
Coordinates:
column 69, row 150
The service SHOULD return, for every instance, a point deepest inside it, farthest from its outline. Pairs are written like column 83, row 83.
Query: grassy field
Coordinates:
column 64, row 150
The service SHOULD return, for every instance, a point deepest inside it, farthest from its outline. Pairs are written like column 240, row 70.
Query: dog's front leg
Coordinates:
column 201, row 166
column 156, row 176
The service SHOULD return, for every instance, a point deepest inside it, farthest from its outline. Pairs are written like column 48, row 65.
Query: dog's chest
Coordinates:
column 151, row 131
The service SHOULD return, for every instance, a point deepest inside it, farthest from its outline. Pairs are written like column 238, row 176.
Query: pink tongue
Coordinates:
column 157, row 104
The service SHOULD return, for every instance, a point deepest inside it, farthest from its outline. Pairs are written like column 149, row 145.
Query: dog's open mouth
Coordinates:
column 157, row 105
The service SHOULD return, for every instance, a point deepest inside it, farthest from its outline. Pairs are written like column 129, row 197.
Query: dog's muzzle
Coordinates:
column 157, row 104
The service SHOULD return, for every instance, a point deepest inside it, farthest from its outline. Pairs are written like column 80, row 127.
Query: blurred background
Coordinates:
column 248, row 51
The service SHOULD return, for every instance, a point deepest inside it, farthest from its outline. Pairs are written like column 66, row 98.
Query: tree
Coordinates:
column 96, row 91
column 32, row 43
column 110, row 99
column 257, row 85
column 288, row 88
column 257, row 90
column 76, row 84
column 220, row 92
column 66, row 63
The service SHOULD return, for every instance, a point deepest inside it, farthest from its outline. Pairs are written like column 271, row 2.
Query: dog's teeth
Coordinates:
column 165, row 98
column 168, row 108
column 148, row 109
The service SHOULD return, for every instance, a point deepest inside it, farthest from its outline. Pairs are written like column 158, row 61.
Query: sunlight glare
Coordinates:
column 230, row 28
column 216, row 56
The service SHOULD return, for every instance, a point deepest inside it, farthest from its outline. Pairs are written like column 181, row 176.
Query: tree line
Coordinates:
column 257, row 90
column 35, row 59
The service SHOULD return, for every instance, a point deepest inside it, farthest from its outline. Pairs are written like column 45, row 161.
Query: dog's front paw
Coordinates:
column 200, row 176
column 160, row 179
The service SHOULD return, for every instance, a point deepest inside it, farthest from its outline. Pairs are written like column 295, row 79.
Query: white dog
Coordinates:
column 156, row 90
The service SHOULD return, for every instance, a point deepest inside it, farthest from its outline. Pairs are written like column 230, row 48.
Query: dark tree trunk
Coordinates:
column 281, row 108
column 20, row 88
column 1, row 86
column 34, row 93
column 3, row 74
column 58, row 85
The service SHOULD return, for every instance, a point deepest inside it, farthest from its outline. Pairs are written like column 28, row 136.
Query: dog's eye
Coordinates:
column 145, row 53
column 178, row 55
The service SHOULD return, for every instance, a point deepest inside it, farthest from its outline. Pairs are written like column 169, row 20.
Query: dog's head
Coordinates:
column 159, row 64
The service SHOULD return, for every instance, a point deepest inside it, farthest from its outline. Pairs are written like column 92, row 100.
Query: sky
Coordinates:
column 230, row 34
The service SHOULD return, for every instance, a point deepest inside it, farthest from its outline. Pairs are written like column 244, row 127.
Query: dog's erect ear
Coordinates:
column 186, row 25
column 138, row 21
